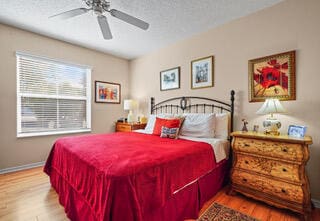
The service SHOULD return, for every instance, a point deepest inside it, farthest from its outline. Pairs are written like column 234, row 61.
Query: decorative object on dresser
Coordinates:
column 128, row 127
column 202, row 72
column 244, row 128
column 170, row 79
column 271, row 124
column 273, row 77
column 255, row 128
column 107, row 92
column 129, row 105
column 272, row 169
column 297, row 131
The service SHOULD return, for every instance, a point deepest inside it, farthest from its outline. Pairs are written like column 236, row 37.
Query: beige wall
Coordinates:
column 20, row 151
column 291, row 25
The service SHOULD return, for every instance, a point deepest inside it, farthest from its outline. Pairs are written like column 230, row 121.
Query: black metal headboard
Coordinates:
column 194, row 105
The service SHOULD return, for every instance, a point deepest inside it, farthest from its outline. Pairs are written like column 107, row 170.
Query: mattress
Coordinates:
column 221, row 147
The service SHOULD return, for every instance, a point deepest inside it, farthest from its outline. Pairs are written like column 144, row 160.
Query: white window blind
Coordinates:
column 53, row 97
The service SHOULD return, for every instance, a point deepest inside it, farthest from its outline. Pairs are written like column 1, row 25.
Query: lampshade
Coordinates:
column 128, row 104
column 271, row 106
column 271, row 124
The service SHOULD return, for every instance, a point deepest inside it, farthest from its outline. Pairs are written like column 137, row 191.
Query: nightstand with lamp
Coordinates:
column 129, row 105
column 130, row 124
column 271, row 167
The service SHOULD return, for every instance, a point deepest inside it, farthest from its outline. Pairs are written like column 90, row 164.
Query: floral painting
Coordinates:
column 107, row 92
column 272, row 77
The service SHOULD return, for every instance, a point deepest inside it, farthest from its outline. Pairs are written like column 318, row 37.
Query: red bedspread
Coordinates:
column 122, row 176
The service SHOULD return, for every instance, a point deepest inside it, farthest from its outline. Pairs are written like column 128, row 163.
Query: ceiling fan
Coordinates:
column 99, row 7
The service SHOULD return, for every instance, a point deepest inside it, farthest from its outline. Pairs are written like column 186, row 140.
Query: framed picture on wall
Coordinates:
column 202, row 72
column 107, row 92
column 170, row 79
column 272, row 77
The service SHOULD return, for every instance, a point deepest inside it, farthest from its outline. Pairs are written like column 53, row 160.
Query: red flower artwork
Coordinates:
column 272, row 75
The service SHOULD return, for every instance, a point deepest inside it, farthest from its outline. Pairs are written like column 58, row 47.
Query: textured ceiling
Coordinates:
column 170, row 21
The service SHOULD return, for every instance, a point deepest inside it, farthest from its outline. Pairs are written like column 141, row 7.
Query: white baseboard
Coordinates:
column 316, row 203
column 23, row 167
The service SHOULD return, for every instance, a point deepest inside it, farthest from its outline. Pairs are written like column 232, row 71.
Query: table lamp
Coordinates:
column 129, row 105
column 271, row 124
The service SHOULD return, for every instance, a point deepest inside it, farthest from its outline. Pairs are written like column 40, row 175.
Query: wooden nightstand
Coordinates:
column 272, row 169
column 127, row 127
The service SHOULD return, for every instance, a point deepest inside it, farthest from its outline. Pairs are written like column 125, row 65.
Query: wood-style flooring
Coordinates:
column 27, row 195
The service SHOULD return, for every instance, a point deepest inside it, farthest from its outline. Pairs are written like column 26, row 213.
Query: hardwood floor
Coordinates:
column 27, row 195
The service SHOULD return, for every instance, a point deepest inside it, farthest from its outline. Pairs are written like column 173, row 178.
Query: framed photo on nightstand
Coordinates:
column 297, row 131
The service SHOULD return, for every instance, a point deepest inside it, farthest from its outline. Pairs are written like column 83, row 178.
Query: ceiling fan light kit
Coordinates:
column 99, row 7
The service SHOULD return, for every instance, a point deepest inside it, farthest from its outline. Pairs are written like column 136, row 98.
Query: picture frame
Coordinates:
column 297, row 131
column 107, row 92
column 170, row 79
column 202, row 71
column 272, row 76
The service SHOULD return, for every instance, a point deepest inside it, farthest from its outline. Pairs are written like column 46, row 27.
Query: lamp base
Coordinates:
column 274, row 133
column 130, row 117
column 271, row 126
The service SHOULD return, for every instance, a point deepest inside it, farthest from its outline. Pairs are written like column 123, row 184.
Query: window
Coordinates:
column 53, row 97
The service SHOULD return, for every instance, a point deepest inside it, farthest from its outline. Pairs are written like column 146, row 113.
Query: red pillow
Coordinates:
column 169, row 123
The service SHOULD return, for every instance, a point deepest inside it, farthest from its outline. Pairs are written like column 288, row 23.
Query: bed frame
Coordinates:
column 187, row 104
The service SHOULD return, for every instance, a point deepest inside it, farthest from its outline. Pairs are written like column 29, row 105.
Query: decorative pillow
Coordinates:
column 222, row 127
column 169, row 132
column 198, row 125
column 169, row 123
column 152, row 119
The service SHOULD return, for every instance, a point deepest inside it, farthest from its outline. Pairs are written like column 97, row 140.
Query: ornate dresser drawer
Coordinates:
column 275, row 168
column 272, row 169
column 275, row 188
column 289, row 151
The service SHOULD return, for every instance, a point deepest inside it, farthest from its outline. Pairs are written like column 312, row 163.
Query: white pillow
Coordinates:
column 198, row 125
column 152, row 120
column 222, row 127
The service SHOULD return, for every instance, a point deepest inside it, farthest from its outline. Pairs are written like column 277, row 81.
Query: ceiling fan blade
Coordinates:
column 104, row 26
column 129, row 19
column 71, row 13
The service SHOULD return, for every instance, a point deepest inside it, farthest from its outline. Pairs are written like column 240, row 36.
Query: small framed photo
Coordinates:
column 202, row 72
column 107, row 92
column 297, row 131
column 170, row 79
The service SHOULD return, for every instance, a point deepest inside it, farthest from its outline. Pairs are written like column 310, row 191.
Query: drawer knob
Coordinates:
column 244, row 180
column 284, row 169
column 283, row 190
column 285, row 150
column 246, row 162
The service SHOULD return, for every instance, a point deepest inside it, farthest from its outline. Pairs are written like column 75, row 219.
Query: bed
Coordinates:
column 139, row 176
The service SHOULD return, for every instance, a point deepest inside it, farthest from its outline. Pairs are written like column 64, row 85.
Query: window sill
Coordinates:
column 38, row 134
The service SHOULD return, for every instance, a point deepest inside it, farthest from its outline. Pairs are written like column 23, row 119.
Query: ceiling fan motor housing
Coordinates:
column 98, row 6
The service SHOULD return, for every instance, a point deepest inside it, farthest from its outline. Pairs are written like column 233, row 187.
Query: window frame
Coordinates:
column 19, row 95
